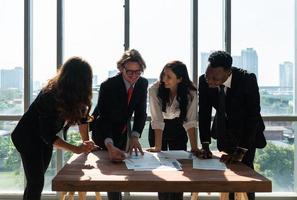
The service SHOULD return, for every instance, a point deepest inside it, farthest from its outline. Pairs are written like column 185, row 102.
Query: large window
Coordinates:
column 44, row 43
column 10, row 162
column 263, row 43
column 94, row 30
column 12, row 56
column 160, row 30
column 210, row 30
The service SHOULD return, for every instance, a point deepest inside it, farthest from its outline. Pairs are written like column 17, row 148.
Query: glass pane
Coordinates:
column 210, row 30
column 50, row 173
column 12, row 57
column 96, row 34
column 276, row 160
column 44, row 43
column 263, row 43
column 11, row 169
column 73, row 137
column 161, row 33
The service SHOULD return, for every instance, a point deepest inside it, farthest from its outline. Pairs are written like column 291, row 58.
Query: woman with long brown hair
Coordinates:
column 64, row 101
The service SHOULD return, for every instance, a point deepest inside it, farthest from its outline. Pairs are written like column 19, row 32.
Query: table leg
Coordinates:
column 224, row 196
column 63, row 195
column 241, row 196
column 98, row 196
column 70, row 195
column 194, row 196
column 82, row 195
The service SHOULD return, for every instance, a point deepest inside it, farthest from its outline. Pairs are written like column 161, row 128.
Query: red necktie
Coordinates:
column 129, row 95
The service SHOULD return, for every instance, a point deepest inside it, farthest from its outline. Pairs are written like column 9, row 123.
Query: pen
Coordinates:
column 96, row 147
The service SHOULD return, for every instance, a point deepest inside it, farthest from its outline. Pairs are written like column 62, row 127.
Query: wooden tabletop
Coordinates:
column 95, row 172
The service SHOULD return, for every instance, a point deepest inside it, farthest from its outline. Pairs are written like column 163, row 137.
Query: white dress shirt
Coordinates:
column 172, row 110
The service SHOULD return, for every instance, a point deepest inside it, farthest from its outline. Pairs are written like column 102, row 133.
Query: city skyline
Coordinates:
column 269, row 31
column 248, row 60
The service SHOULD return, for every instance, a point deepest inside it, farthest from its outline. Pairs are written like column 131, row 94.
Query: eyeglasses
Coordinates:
column 133, row 72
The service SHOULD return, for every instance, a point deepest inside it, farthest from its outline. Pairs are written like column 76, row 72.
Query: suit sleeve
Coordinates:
column 253, row 116
column 140, row 109
column 204, row 113
column 102, row 110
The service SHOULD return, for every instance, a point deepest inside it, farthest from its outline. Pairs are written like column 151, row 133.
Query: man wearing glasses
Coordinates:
column 120, row 97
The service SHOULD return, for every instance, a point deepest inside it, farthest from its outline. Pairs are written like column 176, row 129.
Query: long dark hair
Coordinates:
column 73, row 88
column 183, row 88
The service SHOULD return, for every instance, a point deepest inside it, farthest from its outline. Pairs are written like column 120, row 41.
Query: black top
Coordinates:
column 41, row 122
column 244, row 125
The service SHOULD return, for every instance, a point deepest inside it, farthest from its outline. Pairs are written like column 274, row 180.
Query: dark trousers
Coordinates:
column 174, row 138
column 248, row 160
column 35, row 165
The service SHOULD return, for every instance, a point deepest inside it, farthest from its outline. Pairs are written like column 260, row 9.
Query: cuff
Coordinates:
column 108, row 140
column 135, row 134
column 190, row 124
column 157, row 125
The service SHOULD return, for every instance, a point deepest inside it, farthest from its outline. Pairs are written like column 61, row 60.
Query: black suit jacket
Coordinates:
column 245, row 125
column 112, row 111
column 39, row 125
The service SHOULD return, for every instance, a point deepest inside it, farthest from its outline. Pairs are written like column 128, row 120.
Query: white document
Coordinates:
column 152, row 162
column 175, row 154
column 208, row 164
column 146, row 161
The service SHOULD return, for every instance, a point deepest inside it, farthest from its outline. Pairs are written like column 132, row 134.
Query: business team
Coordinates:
column 66, row 100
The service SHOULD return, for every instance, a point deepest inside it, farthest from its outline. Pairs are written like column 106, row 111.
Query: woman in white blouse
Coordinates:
column 173, row 105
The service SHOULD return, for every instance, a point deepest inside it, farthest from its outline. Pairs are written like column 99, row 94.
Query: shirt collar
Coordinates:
column 227, row 83
column 127, row 84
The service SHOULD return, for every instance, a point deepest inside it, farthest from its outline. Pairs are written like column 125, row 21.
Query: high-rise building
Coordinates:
column 12, row 78
column 112, row 73
column 95, row 80
column 204, row 61
column 286, row 74
column 249, row 59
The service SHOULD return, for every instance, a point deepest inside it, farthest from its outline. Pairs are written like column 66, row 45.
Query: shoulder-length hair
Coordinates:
column 73, row 88
column 183, row 88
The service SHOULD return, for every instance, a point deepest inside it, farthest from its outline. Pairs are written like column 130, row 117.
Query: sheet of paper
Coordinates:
column 151, row 162
column 208, row 164
column 147, row 161
column 175, row 154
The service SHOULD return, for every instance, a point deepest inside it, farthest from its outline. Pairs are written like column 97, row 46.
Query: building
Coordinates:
column 286, row 74
column 12, row 78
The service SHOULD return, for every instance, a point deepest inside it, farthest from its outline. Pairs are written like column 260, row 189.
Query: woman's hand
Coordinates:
column 85, row 147
column 154, row 149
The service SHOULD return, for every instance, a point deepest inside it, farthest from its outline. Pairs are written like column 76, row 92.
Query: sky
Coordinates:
column 160, row 30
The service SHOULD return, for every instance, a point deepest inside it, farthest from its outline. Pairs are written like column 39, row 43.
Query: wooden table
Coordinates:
column 95, row 172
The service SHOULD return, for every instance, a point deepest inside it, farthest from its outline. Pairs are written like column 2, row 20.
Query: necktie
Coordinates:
column 221, row 118
column 129, row 95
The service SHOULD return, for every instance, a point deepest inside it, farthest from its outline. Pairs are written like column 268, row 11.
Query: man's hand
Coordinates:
column 115, row 154
column 233, row 158
column 204, row 153
column 135, row 146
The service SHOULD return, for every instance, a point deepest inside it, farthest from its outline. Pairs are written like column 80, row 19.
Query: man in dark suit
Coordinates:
column 238, row 125
column 120, row 97
column 116, row 105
